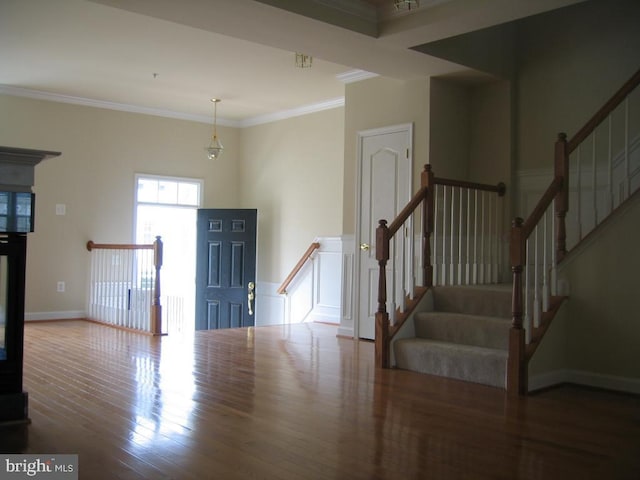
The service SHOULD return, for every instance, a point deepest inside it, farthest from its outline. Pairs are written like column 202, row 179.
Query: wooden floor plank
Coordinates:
column 298, row 402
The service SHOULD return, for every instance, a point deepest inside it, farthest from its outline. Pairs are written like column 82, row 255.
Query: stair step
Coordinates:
column 479, row 330
column 486, row 300
column 470, row 363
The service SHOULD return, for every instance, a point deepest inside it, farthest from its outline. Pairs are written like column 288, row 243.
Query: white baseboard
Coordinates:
column 345, row 332
column 43, row 316
column 590, row 379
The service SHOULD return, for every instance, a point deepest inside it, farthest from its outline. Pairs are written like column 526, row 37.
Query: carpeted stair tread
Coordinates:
column 488, row 300
column 462, row 362
column 479, row 330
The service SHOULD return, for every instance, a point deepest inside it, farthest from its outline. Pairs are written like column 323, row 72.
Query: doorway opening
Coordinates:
column 167, row 207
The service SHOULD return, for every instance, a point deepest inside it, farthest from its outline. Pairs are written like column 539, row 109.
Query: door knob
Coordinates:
column 251, row 296
column 364, row 247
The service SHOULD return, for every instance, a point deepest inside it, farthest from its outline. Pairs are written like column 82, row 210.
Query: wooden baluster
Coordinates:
column 156, row 307
column 561, row 170
column 382, row 316
column 428, row 213
column 516, row 366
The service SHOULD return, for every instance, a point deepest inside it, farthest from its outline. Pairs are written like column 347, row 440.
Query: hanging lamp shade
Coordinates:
column 215, row 148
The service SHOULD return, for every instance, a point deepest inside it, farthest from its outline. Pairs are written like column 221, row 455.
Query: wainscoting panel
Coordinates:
column 315, row 295
column 270, row 306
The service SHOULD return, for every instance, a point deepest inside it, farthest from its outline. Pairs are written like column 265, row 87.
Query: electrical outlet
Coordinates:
column 61, row 286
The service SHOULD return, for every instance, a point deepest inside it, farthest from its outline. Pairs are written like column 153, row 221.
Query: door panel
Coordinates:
column 385, row 188
column 226, row 266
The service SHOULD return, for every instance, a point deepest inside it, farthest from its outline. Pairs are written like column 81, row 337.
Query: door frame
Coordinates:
column 167, row 321
column 361, row 136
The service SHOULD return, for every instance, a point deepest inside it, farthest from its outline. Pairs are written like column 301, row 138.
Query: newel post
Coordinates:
column 517, row 365
column 156, row 307
column 561, row 170
column 382, row 316
column 427, row 181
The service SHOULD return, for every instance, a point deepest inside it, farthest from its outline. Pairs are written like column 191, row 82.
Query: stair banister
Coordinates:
column 382, row 316
column 516, row 377
column 424, row 197
column 561, row 173
column 556, row 200
column 101, row 263
column 604, row 112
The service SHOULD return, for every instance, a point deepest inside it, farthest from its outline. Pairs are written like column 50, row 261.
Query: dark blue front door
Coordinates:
column 226, row 268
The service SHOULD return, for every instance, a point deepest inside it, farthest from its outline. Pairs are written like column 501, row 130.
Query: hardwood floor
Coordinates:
column 296, row 402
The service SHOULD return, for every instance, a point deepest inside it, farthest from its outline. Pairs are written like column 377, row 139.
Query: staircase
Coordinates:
column 474, row 328
column 464, row 336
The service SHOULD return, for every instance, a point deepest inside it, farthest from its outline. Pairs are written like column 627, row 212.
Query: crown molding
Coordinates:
column 123, row 107
column 294, row 112
column 353, row 76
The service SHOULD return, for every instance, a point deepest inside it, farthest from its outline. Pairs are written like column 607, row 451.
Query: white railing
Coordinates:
column 594, row 173
column 604, row 170
column 540, row 272
column 468, row 236
column 124, row 286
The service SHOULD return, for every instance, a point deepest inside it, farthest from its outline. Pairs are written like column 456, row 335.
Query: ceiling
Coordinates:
column 169, row 58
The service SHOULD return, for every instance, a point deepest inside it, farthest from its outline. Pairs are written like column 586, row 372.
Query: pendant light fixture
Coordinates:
column 215, row 147
column 406, row 4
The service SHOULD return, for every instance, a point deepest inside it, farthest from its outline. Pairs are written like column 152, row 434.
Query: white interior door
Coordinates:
column 385, row 188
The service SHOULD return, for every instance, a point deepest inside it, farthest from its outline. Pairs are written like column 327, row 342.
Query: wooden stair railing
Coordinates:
column 535, row 298
column 282, row 290
column 112, row 274
column 424, row 198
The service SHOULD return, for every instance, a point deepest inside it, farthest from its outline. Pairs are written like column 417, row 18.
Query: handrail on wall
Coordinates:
column 282, row 290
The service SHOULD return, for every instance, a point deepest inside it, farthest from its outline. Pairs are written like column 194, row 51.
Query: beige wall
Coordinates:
column 381, row 102
column 570, row 62
column 291, row 171
column 603, row 306
column 102, row 150
column 450, row 124
column 490, row 133
column 598, row 328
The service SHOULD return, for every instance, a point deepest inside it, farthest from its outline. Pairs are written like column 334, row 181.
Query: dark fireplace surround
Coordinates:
column 16, row 221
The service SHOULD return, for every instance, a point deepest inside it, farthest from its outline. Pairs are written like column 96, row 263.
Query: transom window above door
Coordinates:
column 168, row 191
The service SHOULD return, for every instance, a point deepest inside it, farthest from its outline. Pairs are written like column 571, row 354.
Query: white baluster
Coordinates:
column 475, row 238
column 444, row 235
column 452, row 223
column 610, row 169
column 627, row 179
column 468, row 271
column 526, row 310
column 434, row 240
column 460, row 230
column 579, row 195
column 536, row 298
